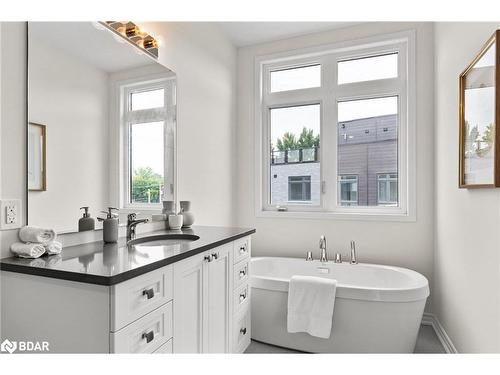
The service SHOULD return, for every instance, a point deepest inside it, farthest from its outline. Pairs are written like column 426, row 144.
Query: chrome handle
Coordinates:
column 149, row 336
column 208, row 258
column 243, row 273
column 243, row 249
column 150, row 293
column 243, row 331
column 215, row 256
column 243, row 296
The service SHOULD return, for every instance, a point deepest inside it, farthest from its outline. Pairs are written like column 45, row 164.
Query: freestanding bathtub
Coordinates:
column 378, row 309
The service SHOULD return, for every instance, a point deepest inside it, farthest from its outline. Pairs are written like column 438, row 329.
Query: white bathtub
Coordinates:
column 378, row 309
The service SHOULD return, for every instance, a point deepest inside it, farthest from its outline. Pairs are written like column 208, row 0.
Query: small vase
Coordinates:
column 175, row 221
column 188, row 217
column 168, row 209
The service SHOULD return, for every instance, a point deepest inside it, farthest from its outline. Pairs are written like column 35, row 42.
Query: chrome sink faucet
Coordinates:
column 323, row 257
column 132, row 222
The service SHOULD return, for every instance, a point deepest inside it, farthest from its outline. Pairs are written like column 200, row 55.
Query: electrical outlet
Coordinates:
column 10, row 214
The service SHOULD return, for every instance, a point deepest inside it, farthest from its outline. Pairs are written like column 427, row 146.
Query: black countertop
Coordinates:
column 109, row 264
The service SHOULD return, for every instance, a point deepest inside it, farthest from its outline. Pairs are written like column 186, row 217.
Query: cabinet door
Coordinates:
column 219, row 289
column 189, row 304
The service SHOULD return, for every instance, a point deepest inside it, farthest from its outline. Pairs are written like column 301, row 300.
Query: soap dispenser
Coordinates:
column 110, row 226
column 86, row 222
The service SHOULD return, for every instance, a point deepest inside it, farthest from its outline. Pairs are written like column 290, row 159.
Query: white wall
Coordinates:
column 70, row 97
column 467, row 248
column 408, row 244
column 205, row 63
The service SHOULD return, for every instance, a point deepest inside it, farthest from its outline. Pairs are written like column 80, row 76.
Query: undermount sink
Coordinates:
column 164, row 239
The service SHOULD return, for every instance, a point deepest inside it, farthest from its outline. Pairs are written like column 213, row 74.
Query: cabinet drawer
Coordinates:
column 241, row 273
column 241, row 249
column 138, row 296
column 146, row 334
column 241, row 297
column 167, row 348
column 241, row 331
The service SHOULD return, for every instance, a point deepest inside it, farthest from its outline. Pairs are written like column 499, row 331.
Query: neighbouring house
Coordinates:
column 367, row 166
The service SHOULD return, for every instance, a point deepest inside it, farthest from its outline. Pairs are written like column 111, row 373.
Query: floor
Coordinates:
column 427, row 342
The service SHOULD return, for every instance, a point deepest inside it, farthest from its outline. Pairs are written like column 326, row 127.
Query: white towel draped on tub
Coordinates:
column 39, row 235
column 27, row 250
column 310, row 305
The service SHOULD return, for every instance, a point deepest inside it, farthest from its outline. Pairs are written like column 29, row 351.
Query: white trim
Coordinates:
column 431, row 320
column 404, row 87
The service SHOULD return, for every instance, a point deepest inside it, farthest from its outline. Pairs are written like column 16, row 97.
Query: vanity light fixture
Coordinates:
column 132, row 33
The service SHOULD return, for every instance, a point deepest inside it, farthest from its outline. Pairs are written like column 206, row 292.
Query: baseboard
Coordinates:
column 431, row 320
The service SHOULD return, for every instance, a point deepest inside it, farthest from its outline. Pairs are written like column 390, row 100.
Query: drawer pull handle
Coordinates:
column 243, row 273
column 150, row 293
column 215, row 256
column 243, row 331
column 242, row 297
column 243, row 249
column 208, row 258
column 148, row 336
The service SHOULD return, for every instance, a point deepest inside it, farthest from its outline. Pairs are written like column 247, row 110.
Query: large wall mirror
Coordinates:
column 101, row 125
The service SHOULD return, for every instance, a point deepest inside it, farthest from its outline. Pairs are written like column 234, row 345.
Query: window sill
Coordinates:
column 323, row 215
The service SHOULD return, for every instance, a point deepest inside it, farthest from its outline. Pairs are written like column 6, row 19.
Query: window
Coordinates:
column 299, row 188
column 387, row 185
column 367, row 142
column 295, row 139
column 368, row 69
column 296, row 78
column 146, row 162
column 332, row 119
column 148, row 172
column 348, row 190
column 147, row 99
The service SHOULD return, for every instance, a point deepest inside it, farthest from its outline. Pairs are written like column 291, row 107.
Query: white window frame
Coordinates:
column 327, row 96
column 167, row 114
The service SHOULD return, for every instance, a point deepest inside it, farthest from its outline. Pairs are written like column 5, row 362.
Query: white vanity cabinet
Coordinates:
column 202, row 307
column 197, row 305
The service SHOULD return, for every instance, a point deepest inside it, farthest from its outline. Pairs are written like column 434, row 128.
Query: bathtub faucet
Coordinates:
column 354, row 259
column 322, row 247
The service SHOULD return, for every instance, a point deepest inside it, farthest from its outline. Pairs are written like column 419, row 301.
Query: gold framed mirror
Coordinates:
column 479, row 164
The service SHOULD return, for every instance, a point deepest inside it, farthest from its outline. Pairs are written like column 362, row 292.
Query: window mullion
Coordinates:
column 329, row 134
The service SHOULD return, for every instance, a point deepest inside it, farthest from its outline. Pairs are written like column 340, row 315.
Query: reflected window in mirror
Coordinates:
column 148, row 177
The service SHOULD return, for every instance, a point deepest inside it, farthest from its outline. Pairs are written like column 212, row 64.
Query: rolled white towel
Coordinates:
column 38, row 235
column 53, row 247
column 27, row 250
